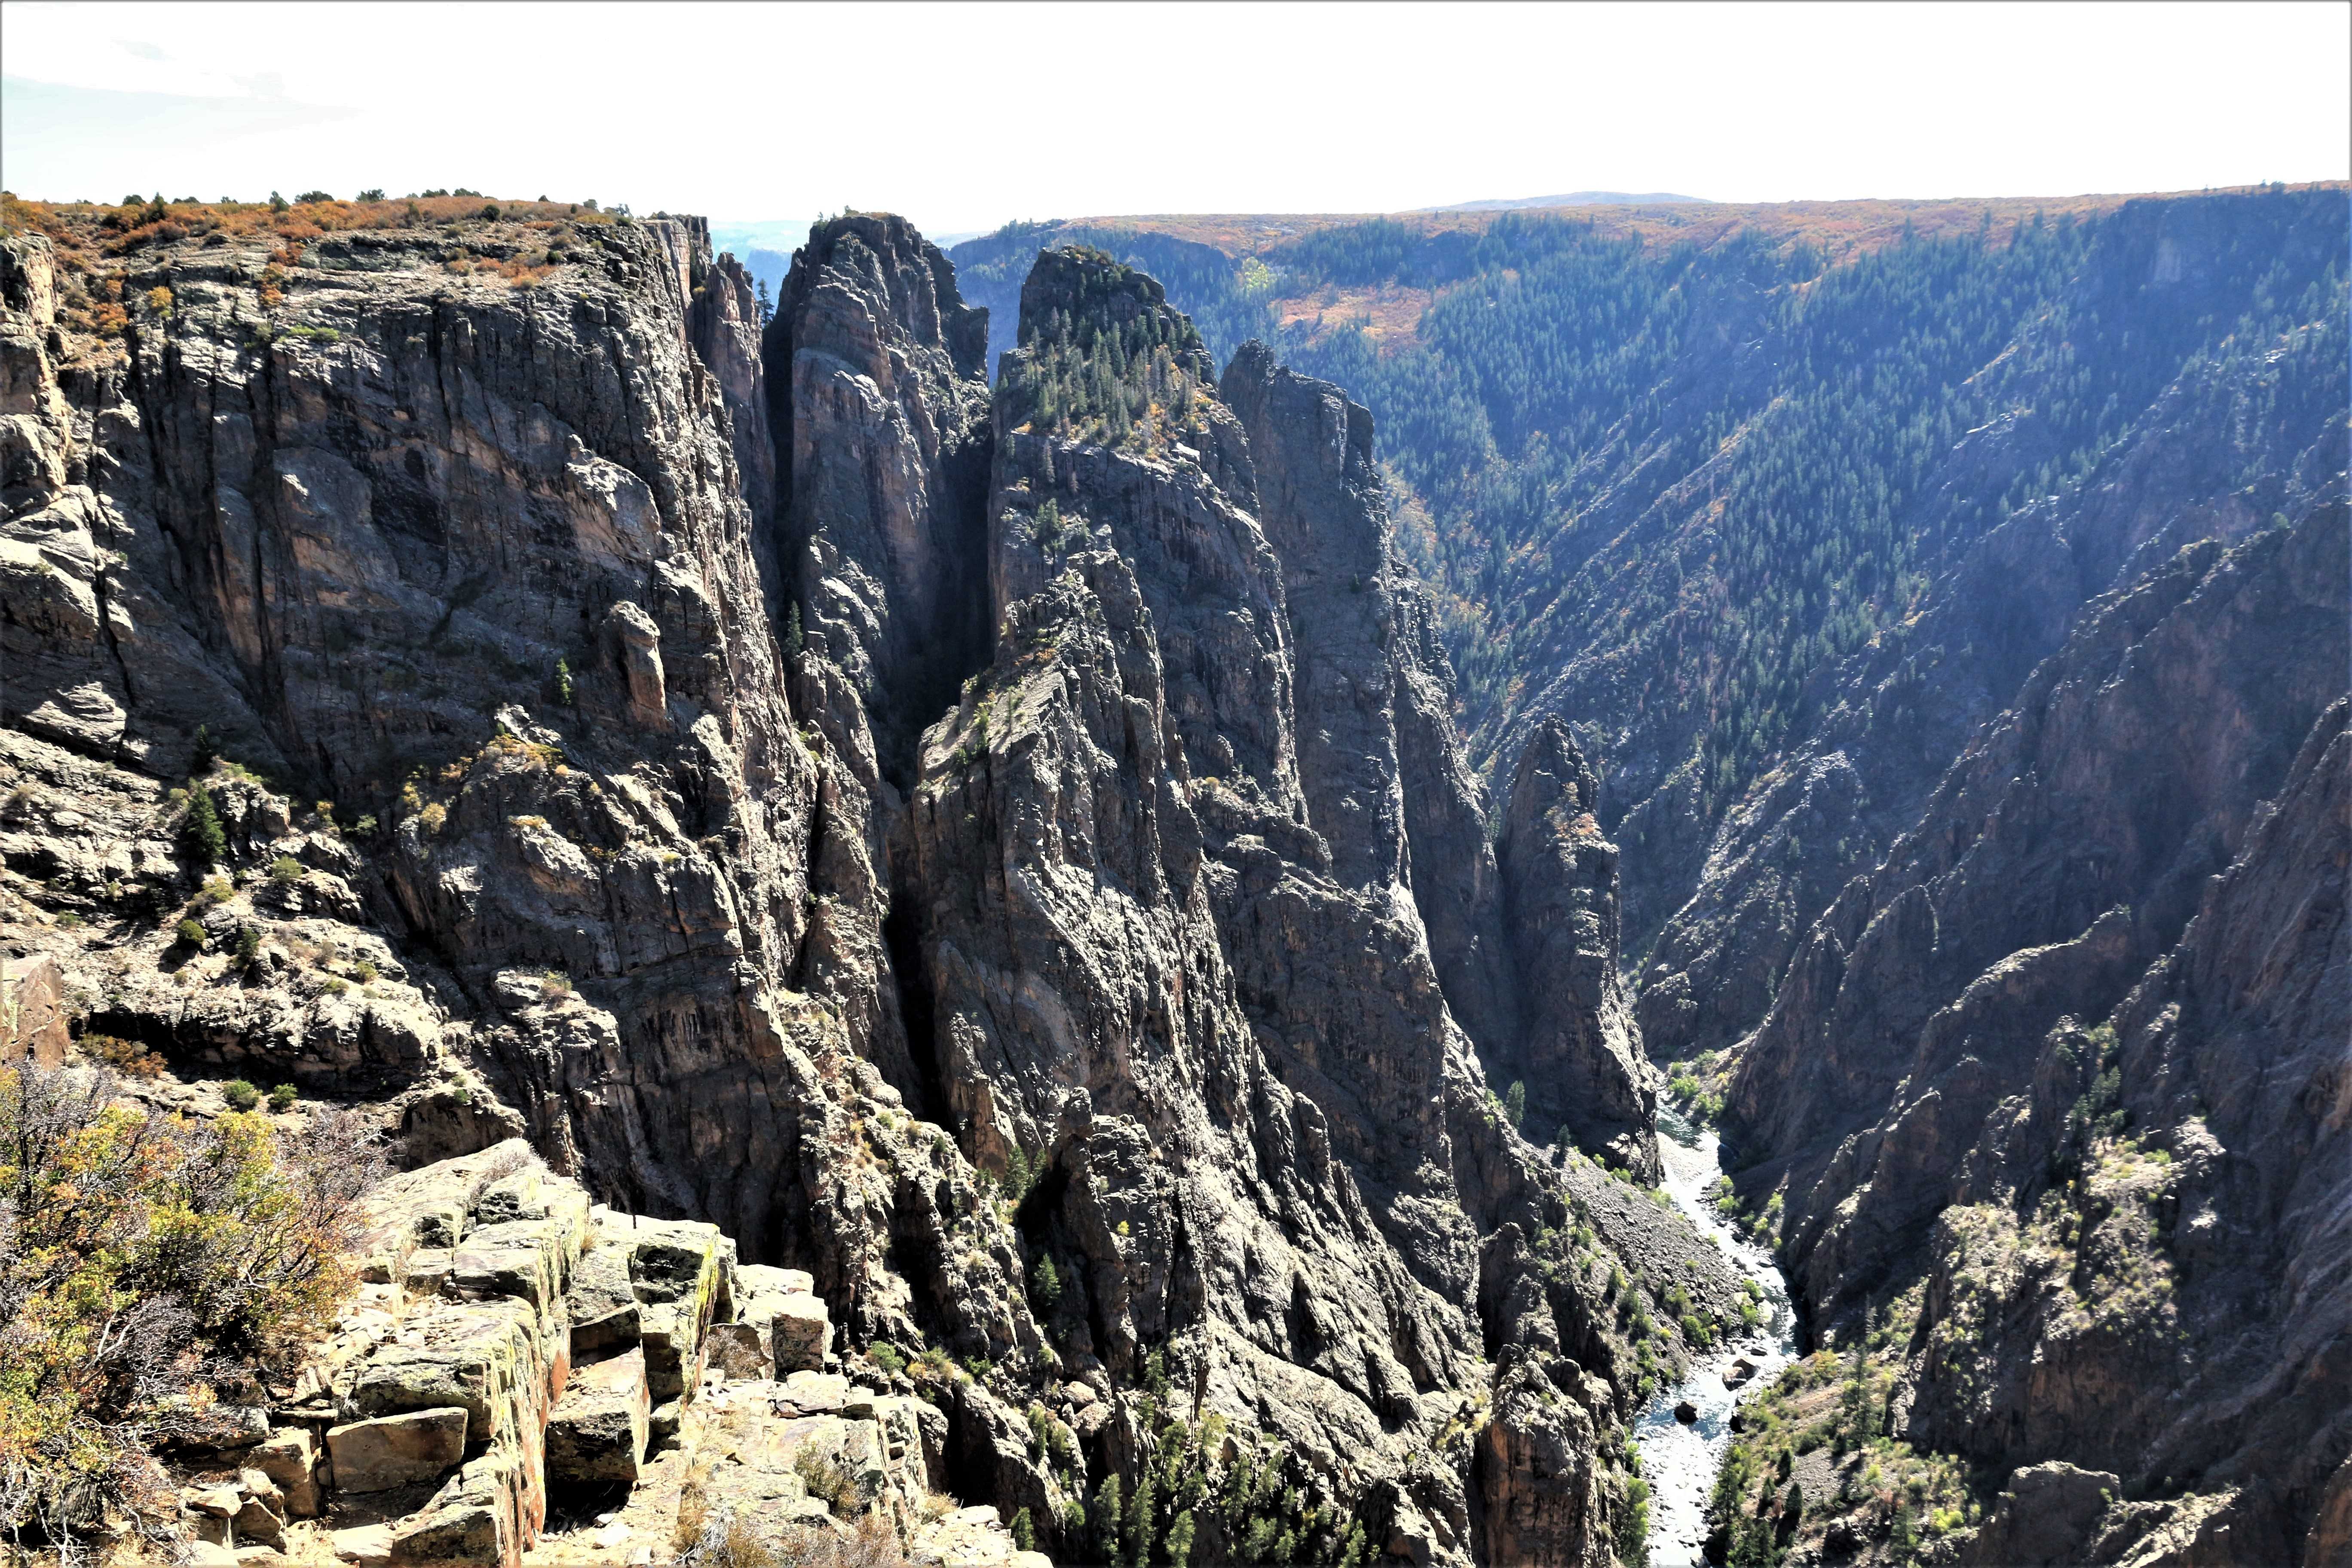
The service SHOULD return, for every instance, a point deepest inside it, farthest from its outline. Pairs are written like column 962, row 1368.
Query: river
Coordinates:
column 1681, row 1461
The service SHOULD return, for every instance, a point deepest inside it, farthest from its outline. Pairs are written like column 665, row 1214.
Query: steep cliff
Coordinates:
column 2054, row 1091
column 1104, row 1036
column 1169, row 918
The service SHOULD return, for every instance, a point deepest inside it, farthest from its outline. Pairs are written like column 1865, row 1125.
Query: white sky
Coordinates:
column 964, row 116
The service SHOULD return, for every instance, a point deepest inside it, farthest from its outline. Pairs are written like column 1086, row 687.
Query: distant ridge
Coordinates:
column 1572, row 199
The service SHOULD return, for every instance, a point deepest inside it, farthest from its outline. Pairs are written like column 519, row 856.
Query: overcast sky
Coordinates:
column 966, row 116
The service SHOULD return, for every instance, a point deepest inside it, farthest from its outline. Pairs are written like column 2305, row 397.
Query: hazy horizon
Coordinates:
column 714, row 109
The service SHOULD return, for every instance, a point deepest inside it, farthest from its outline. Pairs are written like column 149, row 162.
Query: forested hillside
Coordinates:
column 1661, row 488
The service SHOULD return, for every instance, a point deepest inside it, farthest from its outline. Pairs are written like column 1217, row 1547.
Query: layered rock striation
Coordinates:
column 1118, row 1035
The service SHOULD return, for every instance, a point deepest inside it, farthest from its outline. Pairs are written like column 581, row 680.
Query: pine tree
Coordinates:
column 1137, row 1536
column 200, row 761
column 1045, row 1285
column 1104, row 1527
column 202, row 842
column 1180, row 1540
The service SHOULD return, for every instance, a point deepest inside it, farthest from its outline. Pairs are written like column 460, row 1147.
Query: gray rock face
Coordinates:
column 2069, row 1051
column 1183, row 914
column 1580, row 1054
column 1171, row 928
column 883, row 442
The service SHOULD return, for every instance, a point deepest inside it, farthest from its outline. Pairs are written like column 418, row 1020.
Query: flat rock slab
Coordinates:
column 369, row 1545
column 812, row 1394
column 401, row 1451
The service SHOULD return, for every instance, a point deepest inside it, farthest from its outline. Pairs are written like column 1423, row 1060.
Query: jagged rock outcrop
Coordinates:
column 1172, row 927
column 2179, row 1175
column 1166, row 926
column 2133, row 846
column 1580, row 1056
column 516, row 1349
column 881, row 413
column 2061, row 826
column 878, row 406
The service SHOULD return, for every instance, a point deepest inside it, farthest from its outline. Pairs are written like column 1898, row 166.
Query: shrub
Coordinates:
column 1514, row 1103
column 249, row 943
column 822, row 1476
column 240, row 1095
column 373, row 194
column 191, row 934
column 887, row 1356
column 153, row 1257
column 126, row 1057
column 365, row 970
column 307, row 197
column 286, row 871
column 282, row 1098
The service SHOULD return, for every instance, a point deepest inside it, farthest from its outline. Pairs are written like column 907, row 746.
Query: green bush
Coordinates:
column 191, row 934
column 282, row 1098
column 286, row 871
column 240, row 1095
column 154, row 1258
column 887, row 1356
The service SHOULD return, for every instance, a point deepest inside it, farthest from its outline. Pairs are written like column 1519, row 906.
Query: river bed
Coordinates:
column 1680, row 1460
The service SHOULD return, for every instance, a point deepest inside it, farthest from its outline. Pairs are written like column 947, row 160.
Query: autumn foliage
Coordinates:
column 151, row 1267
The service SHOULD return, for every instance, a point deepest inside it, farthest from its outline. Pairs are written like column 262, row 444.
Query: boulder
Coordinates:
column 257, row 1521
column 813, row 1393
column 416, row 1446
column 600, row 1428
column 600, row 1281
column 801, row 1333
column 290, row 1459
column 529, row 1259
column 475, row 1358
column 671, row 1333
column 2046, row 1516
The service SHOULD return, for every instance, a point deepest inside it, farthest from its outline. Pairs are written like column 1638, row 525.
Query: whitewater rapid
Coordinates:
column 1681, row 1461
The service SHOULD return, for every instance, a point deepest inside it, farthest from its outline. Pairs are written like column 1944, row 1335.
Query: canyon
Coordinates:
column 992, row 870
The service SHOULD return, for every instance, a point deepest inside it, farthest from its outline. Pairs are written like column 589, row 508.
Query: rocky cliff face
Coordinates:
column 1106, row 1033
column 2231, row 444
column 1169, row 919
column 1581, row 1054
column 2008, row 1088
column 473, row 563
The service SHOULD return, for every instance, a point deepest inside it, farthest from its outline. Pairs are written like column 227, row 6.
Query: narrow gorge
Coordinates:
column 943, row 960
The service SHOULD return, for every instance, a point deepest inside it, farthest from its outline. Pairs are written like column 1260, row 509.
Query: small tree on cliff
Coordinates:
column 202, row 842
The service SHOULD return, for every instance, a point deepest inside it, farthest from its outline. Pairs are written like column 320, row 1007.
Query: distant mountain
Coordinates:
column 1572, row 199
